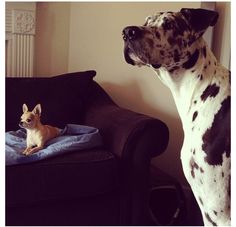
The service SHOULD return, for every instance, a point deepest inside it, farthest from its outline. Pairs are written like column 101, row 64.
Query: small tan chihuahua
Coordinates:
column 37, row 133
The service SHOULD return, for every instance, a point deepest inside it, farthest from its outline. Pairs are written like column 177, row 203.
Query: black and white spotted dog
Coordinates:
column 171, row 43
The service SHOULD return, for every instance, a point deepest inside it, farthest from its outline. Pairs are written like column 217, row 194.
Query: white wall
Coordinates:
column 52, row 38
column 222, row 42
column 96, row 43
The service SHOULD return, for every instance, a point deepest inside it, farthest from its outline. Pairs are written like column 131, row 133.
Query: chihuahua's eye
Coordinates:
column 28, row 120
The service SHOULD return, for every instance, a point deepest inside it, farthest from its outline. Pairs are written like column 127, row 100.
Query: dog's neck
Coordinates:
column 38, row 126
column 187, row 84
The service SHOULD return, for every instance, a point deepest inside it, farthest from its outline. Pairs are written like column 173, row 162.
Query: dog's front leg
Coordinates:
column 33, row 150
column 27, row 150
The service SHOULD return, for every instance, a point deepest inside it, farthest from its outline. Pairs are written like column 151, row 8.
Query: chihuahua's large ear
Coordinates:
column 37, row 109
column 200, row 19
column 24, row 108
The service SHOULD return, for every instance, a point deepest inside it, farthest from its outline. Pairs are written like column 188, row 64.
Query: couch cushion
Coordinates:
column 63, row 98
column 74, row 175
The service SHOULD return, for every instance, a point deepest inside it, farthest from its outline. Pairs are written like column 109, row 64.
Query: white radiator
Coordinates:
column 20, row 31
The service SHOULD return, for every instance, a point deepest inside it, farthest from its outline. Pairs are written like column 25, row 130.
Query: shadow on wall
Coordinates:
column 222, row 31
column 130, row 96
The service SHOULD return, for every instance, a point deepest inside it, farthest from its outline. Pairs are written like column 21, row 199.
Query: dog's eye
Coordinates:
column 28, row 120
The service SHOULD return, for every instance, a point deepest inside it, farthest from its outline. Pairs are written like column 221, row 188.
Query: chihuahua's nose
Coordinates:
column 132, row 33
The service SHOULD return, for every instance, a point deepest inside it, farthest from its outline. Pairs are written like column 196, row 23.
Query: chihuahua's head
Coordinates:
column 30, row 119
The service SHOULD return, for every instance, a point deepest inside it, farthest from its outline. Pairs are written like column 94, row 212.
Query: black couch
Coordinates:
column 108, row 185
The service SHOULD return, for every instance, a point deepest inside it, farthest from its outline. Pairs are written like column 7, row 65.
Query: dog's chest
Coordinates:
column 205, row 154
column 34, row 138
column 206, row 131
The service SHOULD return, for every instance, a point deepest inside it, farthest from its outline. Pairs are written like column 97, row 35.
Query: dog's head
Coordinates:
column 166, row 39
column 30, row 119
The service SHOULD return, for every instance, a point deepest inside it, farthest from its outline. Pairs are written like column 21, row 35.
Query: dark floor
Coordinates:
column 170, row 203
column 194, row 217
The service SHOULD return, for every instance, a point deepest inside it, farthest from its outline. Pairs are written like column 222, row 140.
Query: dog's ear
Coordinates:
column 200, row 19
column 37, row 109
column 24, row 108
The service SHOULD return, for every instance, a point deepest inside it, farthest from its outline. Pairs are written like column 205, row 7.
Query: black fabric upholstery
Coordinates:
column 53, row 178
column 57, row 95
column 108, row 185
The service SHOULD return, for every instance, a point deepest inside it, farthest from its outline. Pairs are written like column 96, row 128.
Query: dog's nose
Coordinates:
column 131, row 33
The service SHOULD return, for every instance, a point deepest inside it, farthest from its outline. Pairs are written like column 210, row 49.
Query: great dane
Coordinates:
column 171, row 44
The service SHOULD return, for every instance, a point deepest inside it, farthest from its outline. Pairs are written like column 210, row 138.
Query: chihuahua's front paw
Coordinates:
column 27, row 151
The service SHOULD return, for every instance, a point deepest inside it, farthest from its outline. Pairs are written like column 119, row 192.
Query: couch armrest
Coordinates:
column 123, row 130
column 134, row 138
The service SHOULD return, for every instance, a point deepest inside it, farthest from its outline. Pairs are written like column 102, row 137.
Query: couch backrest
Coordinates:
column 63, row 98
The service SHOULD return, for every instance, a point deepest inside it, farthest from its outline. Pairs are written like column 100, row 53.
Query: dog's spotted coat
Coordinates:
column 171, row 43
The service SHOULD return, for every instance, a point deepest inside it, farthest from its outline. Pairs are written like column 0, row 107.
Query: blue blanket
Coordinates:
column 72, row 137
